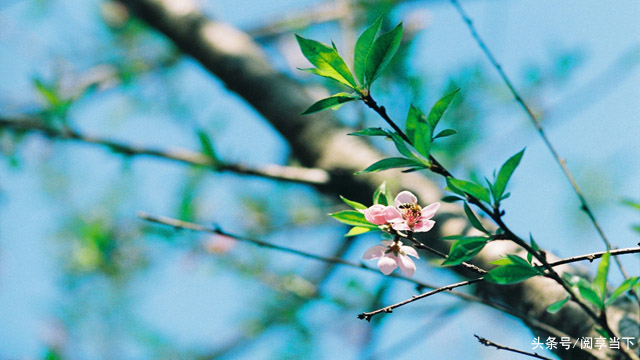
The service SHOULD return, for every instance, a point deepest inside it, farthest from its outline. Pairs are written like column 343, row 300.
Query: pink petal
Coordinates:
column 387, row 264
column 387, row 243
column 405, row 197
column 375, row 214
column 374, row 252
column 430, row 210
column 392, row 214
column 400, row 226
column 407, row 265
column 423, row 226
column 410, row 251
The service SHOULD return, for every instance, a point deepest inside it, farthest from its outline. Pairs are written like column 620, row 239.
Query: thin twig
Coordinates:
column 486, row 342
column 179, row 224
column 536, row 123
column 276, row 172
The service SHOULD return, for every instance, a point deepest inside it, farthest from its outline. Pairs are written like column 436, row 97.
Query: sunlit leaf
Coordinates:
column 371, row 132
column 591, row 296
column 461, row 186
column 354, row 204
column 556, row 306
column 382, row 195
column 352, row 217
column 600, row 282
column 440, row 107
column 327, row 61
column 332, row 102
column 464, row 249
column 511, row 274
column 504, row 175
column 363, row 47
column 381, row 53
column 392, row 163
column 623, row 288
column 358, row 230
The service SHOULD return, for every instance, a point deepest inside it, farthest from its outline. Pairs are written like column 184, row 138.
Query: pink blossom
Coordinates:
column 380, row 215
column 392, row 255
column 410, row 216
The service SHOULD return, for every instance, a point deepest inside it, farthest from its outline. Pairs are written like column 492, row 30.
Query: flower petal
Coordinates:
column 430, row 210
column 387, row 264
column 405, row 197
column 410, row 251
column 387, row 243
column 392, row 214
column 374, row 252
column 423, row 226
column 375, row 214
column 400, row 226
column 407, row 265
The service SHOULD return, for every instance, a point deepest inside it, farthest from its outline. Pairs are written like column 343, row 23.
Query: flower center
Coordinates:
column 410, row 212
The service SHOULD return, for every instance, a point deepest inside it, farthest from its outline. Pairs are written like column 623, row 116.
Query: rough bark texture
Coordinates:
column 319, row 141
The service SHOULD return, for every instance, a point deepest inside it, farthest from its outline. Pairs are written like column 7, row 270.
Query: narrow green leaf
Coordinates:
column 357, row 230
column 511, row 274
column 327, row 61
column 472, row 189
column 451, row 199
column 440, row 107
column 48, row 92
column 422, row 141
column 517, row 260
column 382, row 195
column 416, row 121
column 534, row 246
column 401, row 146
column 391, row 163
column 505, row 173
column 363, row 47
column 334, row 102
column 464, row 249
column 381, row 53
column 556, row 306
column 354, row 204
column 445, row 133
column 371, row 132
column 623, row 288
column 600, row 282
column 207, row 145
column 588, row 294
column 474, row 220
column 631, row 203
column 352, row 217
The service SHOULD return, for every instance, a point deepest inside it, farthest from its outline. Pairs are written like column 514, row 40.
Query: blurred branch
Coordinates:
column 486, row 342
column 274, row 172
column 179, row 224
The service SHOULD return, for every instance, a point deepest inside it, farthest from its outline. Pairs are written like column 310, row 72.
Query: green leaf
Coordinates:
column 631, row 203
column 600, row 282
column 511, row 274
column 401, row 145
column 464, row 249
column 418, row 131
column 354, row 204
column 451, row 199
column 371, row 132
column 440, row 107
column 474, row 220
column 357, row 230
column 517, row 260
column 588, row 294
column 327, row 61
column 534, row 246
column 623, row 288
column 445, row 133
column 382, row 195
column 334, row 102
column 207, row 146
column 473, row 189
column 352, row 217
column 363, row 47
column 381, row 53
column 48, row 92
column 556, row 306
column 391, row 163
column 504, row 175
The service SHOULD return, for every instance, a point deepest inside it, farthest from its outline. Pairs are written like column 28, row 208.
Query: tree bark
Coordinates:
column 319, row 140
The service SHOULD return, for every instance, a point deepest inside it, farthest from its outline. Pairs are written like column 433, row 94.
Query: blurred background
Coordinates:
column 82, row 277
